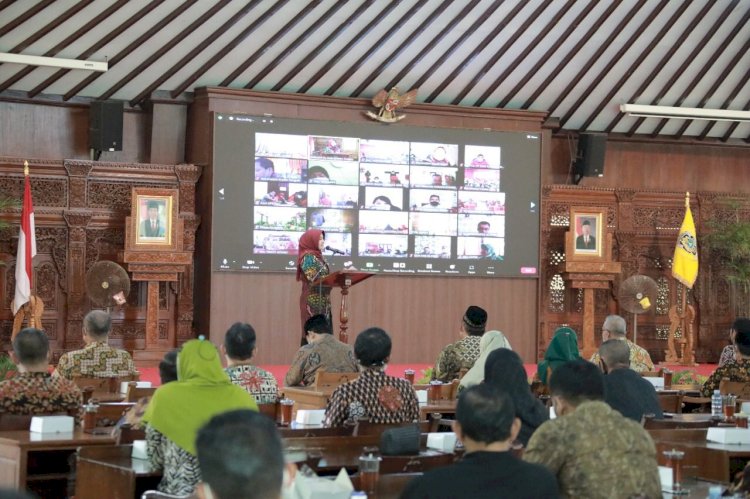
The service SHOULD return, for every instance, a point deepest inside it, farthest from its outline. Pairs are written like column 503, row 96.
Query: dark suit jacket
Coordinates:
column 581, row 245
column 627, row 392
column 147, row 231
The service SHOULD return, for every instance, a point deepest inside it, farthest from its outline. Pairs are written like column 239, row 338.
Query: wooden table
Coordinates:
column 39, row 461
column 109, row 471
column 444, row 407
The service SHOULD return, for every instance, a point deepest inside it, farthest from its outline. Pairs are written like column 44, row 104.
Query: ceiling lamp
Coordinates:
column 35, row 60
column 685, row 113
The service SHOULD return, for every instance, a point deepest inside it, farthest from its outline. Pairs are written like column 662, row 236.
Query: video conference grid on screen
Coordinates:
column 417, row 201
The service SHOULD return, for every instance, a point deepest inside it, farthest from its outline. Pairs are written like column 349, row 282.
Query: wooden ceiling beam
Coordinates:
column 549, row 53
column 376, row 19
column 67, row 41
column 269, row 43
column 635, row 96
column 543, row 32
column 733, row 126
column 725, row 105
column 178, row 38
column 408, row 40
column 392, row 30
column 6, row 3
column 614, row 60
column 164, row 76
column 459, row 68
column 642, row 56
column 258, row 22
column 111, row 35
column 330, row 13
column 25, row 16
column 705, row 69
column 57, row 21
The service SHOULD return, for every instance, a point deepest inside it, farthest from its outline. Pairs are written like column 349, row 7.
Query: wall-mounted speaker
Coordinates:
column 105, row 125
column 590, row 155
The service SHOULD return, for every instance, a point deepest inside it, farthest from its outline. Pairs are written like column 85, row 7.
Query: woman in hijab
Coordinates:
column 491, row 341
column 563, row 348
column 504, row 369
column 179, row 409
column 311, row 266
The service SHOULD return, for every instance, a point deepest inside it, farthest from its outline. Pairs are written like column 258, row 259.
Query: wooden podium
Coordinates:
column 343, row 279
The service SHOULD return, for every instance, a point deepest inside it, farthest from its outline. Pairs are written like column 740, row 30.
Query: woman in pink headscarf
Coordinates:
column 311, row 266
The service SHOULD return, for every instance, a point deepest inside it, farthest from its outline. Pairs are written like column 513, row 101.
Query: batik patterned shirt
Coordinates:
column 374, row 397
column 97, row 360
column 257, row 382
column 40, row 393
column 181, row 472
column 597, row 453
column 327, row 353
column 734, row 371
column 727, row 355
column 459, row 355
column 640, row 360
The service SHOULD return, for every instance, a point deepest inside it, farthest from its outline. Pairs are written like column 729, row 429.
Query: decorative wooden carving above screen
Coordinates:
column 80, row 209
column 645, row 226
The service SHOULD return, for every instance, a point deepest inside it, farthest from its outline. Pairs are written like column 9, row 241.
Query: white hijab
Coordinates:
column 491, row 340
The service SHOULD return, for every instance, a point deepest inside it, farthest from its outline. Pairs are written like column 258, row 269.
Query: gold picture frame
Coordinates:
column 154, row 218
column 587, row 238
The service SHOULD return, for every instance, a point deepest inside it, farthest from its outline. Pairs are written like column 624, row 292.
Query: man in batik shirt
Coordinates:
column 615, row 328
column 322, row 351
column 463, row 353
column 238, row 348
column 97, row 359
column 594, row 451
column 736, row 370
column 373, row 397
column 32, row 390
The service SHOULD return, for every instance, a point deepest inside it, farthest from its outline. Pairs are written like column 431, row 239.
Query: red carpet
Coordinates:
column 279, row 371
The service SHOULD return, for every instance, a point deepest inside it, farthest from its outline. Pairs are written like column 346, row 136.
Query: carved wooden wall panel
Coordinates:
column 80, row 209
column 644, row 225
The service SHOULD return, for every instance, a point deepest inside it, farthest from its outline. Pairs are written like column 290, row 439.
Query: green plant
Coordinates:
column 426, row 377
column 687, row 377
column 729, row 242
column 7, row 367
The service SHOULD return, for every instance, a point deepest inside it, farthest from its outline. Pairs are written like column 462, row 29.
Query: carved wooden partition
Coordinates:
column 645, row 225
column 80, row 209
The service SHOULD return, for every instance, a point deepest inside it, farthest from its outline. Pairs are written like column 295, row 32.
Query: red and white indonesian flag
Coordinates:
column 26, row 246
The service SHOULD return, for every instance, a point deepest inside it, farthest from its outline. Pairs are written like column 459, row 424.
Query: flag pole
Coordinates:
column 25, row 179
column 684, row 288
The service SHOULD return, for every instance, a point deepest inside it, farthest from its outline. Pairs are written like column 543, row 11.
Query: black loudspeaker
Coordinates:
column 105, row 125
column 590, row 156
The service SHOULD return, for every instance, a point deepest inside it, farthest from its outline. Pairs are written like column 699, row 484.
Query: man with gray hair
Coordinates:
column 614, row 328
column 97, row 359
column 624, row 389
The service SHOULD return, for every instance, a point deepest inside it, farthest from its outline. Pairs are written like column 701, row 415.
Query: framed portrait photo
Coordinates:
column 154, row 214
column 587, row 233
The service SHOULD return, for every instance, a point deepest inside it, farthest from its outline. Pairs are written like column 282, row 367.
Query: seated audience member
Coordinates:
column 615, row 328
column 729, row 353
column 491, row 341
column 97, row 359
column 167, row 374
column 504, row 369
column 463, row 353
column 562, row 348
column 373, row 396
column 234, row 438
column 595, row 451
column 32, row 390
column 322, row 351
column 486, row 424
column 179, row 409
column 239, row 348
column 624, row 389
column 737, row 369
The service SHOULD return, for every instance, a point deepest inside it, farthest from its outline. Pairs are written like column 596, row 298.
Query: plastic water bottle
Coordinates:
column 716, row 408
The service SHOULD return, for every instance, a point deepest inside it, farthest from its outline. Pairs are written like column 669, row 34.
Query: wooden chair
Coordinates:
column 134, row 394
column 103, row 389
column 739, row 388
column 128, row 434
column 109, row 413
column 651, row 374
column 448, row 391
column 651, row 423
column 365, row 427
column 325, row 381
column 671, row 401
column 415, row 464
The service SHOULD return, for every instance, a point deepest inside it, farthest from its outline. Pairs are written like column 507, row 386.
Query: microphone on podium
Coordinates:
column 334, row 250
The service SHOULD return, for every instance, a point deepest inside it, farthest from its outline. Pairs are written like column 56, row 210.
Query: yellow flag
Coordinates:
column 685, row 260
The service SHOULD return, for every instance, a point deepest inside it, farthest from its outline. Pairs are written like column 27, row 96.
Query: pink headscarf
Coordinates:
column 309, row 244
